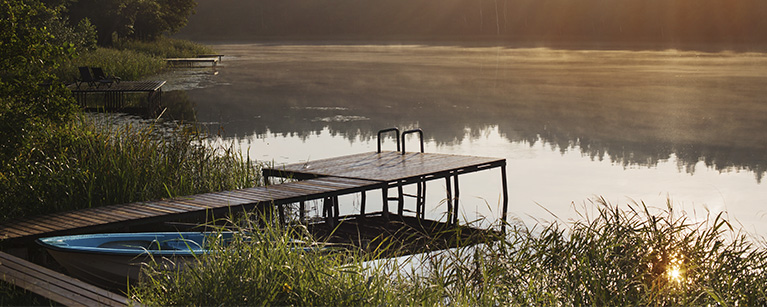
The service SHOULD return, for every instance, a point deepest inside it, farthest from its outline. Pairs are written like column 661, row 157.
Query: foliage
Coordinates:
column 266, row 266
column 85, row 163
column 30, row 96
column 139, row 19
column 165, row 47
column 126, row 64
column 621, row 256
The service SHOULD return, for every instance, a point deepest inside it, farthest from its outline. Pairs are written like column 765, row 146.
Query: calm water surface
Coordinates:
column 574, row 125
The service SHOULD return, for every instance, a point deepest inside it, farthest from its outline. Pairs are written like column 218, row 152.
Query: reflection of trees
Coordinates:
column 628, row 115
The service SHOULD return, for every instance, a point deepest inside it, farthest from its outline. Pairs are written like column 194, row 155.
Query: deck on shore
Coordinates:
column 113, row 95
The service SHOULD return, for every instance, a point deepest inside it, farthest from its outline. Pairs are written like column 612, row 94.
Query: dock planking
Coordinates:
column 56, row 286
column 398, row 168
column 116, row 216
column 388, row 166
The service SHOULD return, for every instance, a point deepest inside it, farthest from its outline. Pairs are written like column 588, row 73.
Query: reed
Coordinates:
column 265, row 267
column 88, row 163
column 126, row 64
column 629, row 255
column 621, row 256
column 166, row 47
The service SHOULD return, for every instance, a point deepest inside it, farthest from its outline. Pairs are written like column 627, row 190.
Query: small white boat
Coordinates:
column 113, row 260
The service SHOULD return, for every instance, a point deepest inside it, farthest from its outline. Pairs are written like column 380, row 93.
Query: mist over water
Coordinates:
column 572, row 124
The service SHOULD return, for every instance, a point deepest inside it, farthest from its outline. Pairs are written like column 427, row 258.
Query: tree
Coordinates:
column 29, row 52
column 140, row 19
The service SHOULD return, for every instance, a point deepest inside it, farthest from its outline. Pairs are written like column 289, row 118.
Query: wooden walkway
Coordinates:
column 110, row 218
column 114, row 95
column 56, row 286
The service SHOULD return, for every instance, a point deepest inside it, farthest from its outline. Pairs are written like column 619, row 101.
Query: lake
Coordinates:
column 574, row 125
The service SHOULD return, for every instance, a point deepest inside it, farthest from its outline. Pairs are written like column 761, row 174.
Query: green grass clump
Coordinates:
column 166, row 47
column 82, row 164
column 620, row 256
column 126, row 64
column 265, row 267
column 132, row 59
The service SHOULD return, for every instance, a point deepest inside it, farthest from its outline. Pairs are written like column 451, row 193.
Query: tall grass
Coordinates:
column 85, row 163
column 265, row 267
column 126, row 64
column 622, row 256
column 166, row 47
column 132, row 60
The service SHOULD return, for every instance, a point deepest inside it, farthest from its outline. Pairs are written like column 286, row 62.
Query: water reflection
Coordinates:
column 628, row 107
column 695, row 113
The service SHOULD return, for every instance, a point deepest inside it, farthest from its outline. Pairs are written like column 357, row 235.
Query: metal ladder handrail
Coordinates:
column 396, row 133
column 420, row 135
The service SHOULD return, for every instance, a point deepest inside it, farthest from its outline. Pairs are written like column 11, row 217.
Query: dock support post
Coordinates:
column 505, row 197
column 362, row 205
column 400, row 199
column 329, row 206
column 418, row 198
column 455, row 200
column 385, row 195
column 449, row 200
column 301, row 214
column 336, row 210
column 423, row 199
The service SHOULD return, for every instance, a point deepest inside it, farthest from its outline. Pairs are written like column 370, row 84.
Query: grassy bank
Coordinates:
column 132, row 60
column 85, row 163
column 622, row 256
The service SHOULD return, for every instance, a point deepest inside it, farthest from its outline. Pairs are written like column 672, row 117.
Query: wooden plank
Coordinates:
column 385, row 166
column 56, row 286
column 229, row 200
column 120, row 212
column 180, row 206
column 80, row 217
column 155, row 207
column 176, row 207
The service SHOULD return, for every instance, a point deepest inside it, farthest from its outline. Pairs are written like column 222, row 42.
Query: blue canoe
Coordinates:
column 113, row 260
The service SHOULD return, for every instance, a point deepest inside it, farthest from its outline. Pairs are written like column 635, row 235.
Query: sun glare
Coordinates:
column 674, row 271
column 675, row 274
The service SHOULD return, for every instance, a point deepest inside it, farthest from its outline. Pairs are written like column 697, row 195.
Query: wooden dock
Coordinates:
column 117, row 217
column 114, row 95
column 56, row 286
column 325, row 180
column 395, row 169
column 192, row 62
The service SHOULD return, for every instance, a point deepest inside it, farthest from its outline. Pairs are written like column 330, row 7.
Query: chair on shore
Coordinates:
column 99, row 74
column 87, row 77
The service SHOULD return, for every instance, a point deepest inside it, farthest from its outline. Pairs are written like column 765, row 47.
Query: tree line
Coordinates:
column 133, row 19
column 595, row 20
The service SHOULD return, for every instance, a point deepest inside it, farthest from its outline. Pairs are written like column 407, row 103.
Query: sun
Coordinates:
column 675, row 274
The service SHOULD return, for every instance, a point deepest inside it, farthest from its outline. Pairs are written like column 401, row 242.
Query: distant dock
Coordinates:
column 203, row 60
